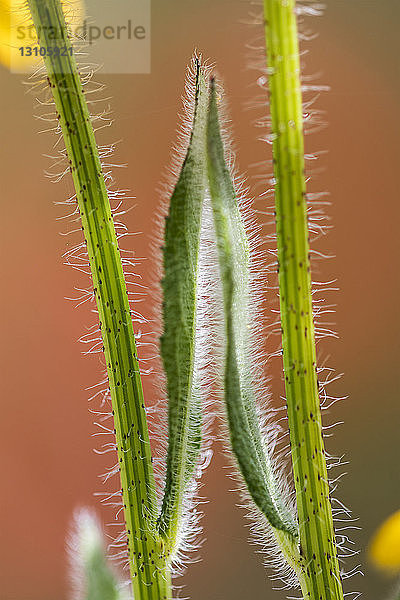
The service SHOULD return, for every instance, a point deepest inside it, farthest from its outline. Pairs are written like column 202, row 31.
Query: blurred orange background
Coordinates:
column 48, row 466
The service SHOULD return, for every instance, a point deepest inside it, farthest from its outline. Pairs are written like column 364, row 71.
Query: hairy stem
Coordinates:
column 180, row 304
column 150, row 577
column 321, row 579
column 247, row 439
column 233, row 250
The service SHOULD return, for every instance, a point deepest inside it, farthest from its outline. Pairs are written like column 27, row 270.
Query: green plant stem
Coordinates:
column 149, row 571
column 179, row 342
column 239, row 379
column 240, row 375
column 321, row 579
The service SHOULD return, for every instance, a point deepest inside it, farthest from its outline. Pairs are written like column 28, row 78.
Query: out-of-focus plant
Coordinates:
column 91, row 575
column 384, row 550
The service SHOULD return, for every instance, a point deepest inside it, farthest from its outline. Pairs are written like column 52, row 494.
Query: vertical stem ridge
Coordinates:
column 321, row 579
column 150, row 577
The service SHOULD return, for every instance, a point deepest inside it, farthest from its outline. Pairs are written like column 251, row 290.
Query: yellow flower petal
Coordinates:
column 384, row 550
column 17, row 30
